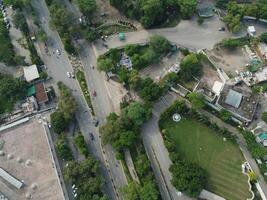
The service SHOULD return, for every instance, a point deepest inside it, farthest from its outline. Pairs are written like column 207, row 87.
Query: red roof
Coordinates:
column 41, row 94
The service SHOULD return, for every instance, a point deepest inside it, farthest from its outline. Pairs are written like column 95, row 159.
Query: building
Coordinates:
column 238, row 100
column 41, row 94
column 31, row 73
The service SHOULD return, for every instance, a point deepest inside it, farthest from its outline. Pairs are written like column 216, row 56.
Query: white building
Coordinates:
column 31, row 73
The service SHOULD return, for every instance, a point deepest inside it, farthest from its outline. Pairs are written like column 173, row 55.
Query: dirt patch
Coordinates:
column 229, row 61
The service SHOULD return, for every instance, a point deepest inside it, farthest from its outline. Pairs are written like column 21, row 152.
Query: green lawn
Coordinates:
column 222, row 159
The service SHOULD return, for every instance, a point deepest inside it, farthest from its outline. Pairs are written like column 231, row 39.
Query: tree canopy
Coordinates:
column 123, row 131
column 85, row 176
column 87, row 7
column 155, row 12
column 190, row 67
column 159, row 44
column 196, row 99
column 188, row 178
column 66, row 109
column 11, row 90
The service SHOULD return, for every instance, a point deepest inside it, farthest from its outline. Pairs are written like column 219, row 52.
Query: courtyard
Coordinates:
column 221, row 159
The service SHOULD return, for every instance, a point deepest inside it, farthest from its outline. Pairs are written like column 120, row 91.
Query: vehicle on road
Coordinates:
column 221, row 29
column 96, row 123
column 68, row 75
column 92, row 66
column 94, row 93
column 72, row 75
column 92, row 136
column 58, row 52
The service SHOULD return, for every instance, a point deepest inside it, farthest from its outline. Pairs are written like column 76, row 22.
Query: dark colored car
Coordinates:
column 96, row 123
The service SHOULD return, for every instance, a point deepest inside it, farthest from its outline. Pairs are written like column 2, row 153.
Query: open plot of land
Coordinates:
column 230, row 61
column 222, row 160
column 31, row 162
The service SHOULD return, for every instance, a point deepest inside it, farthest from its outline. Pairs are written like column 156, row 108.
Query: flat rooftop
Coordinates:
column 28, row 159
column 239, row 99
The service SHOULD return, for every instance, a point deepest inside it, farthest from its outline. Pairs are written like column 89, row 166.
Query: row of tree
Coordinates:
column 61, row 118
column 235, row 13
column 7, row 53
column 155, row 12
column 147, row 189
column 63, row 21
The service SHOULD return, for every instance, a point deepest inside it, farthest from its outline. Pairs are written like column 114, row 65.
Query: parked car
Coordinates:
column 68, row 75
column 221, row 29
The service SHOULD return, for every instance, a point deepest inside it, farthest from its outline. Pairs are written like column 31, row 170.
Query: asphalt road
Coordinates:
column 57, row 66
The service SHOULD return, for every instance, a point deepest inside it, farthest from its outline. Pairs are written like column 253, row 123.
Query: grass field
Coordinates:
column 222, row 159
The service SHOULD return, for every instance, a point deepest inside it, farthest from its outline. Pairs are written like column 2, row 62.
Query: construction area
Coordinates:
column 26, row 165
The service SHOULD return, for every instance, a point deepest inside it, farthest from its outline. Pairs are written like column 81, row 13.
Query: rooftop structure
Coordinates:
column 10, row 179
column 239, row 100
column 41, row 95
column 206, row 12
column 217, row 87
column 233, row 98
column 31, row 73
column 25, row 154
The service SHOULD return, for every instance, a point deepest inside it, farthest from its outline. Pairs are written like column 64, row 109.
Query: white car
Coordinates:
column 58, row 52
column 68, row 74
column 72, row 75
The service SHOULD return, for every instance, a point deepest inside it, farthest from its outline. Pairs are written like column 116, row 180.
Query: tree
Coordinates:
column 196, row 99
column 264, row 116
column 253, row 176
column 60, row 18
column 159, row 44
column 188, row 178
column 187, row 8
column 58, row 122
column 137, row 113
column 80, row 143
column 87, row 7
column 150, row 91
column 131, row 191
column 134, row 80
column 105, row 64
column 11, row 90
column 149, row 191
column 151, row 10
column 63, row 150
column 225, row 115
column 67, row 104
column 231, row 43
column 190, row 67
